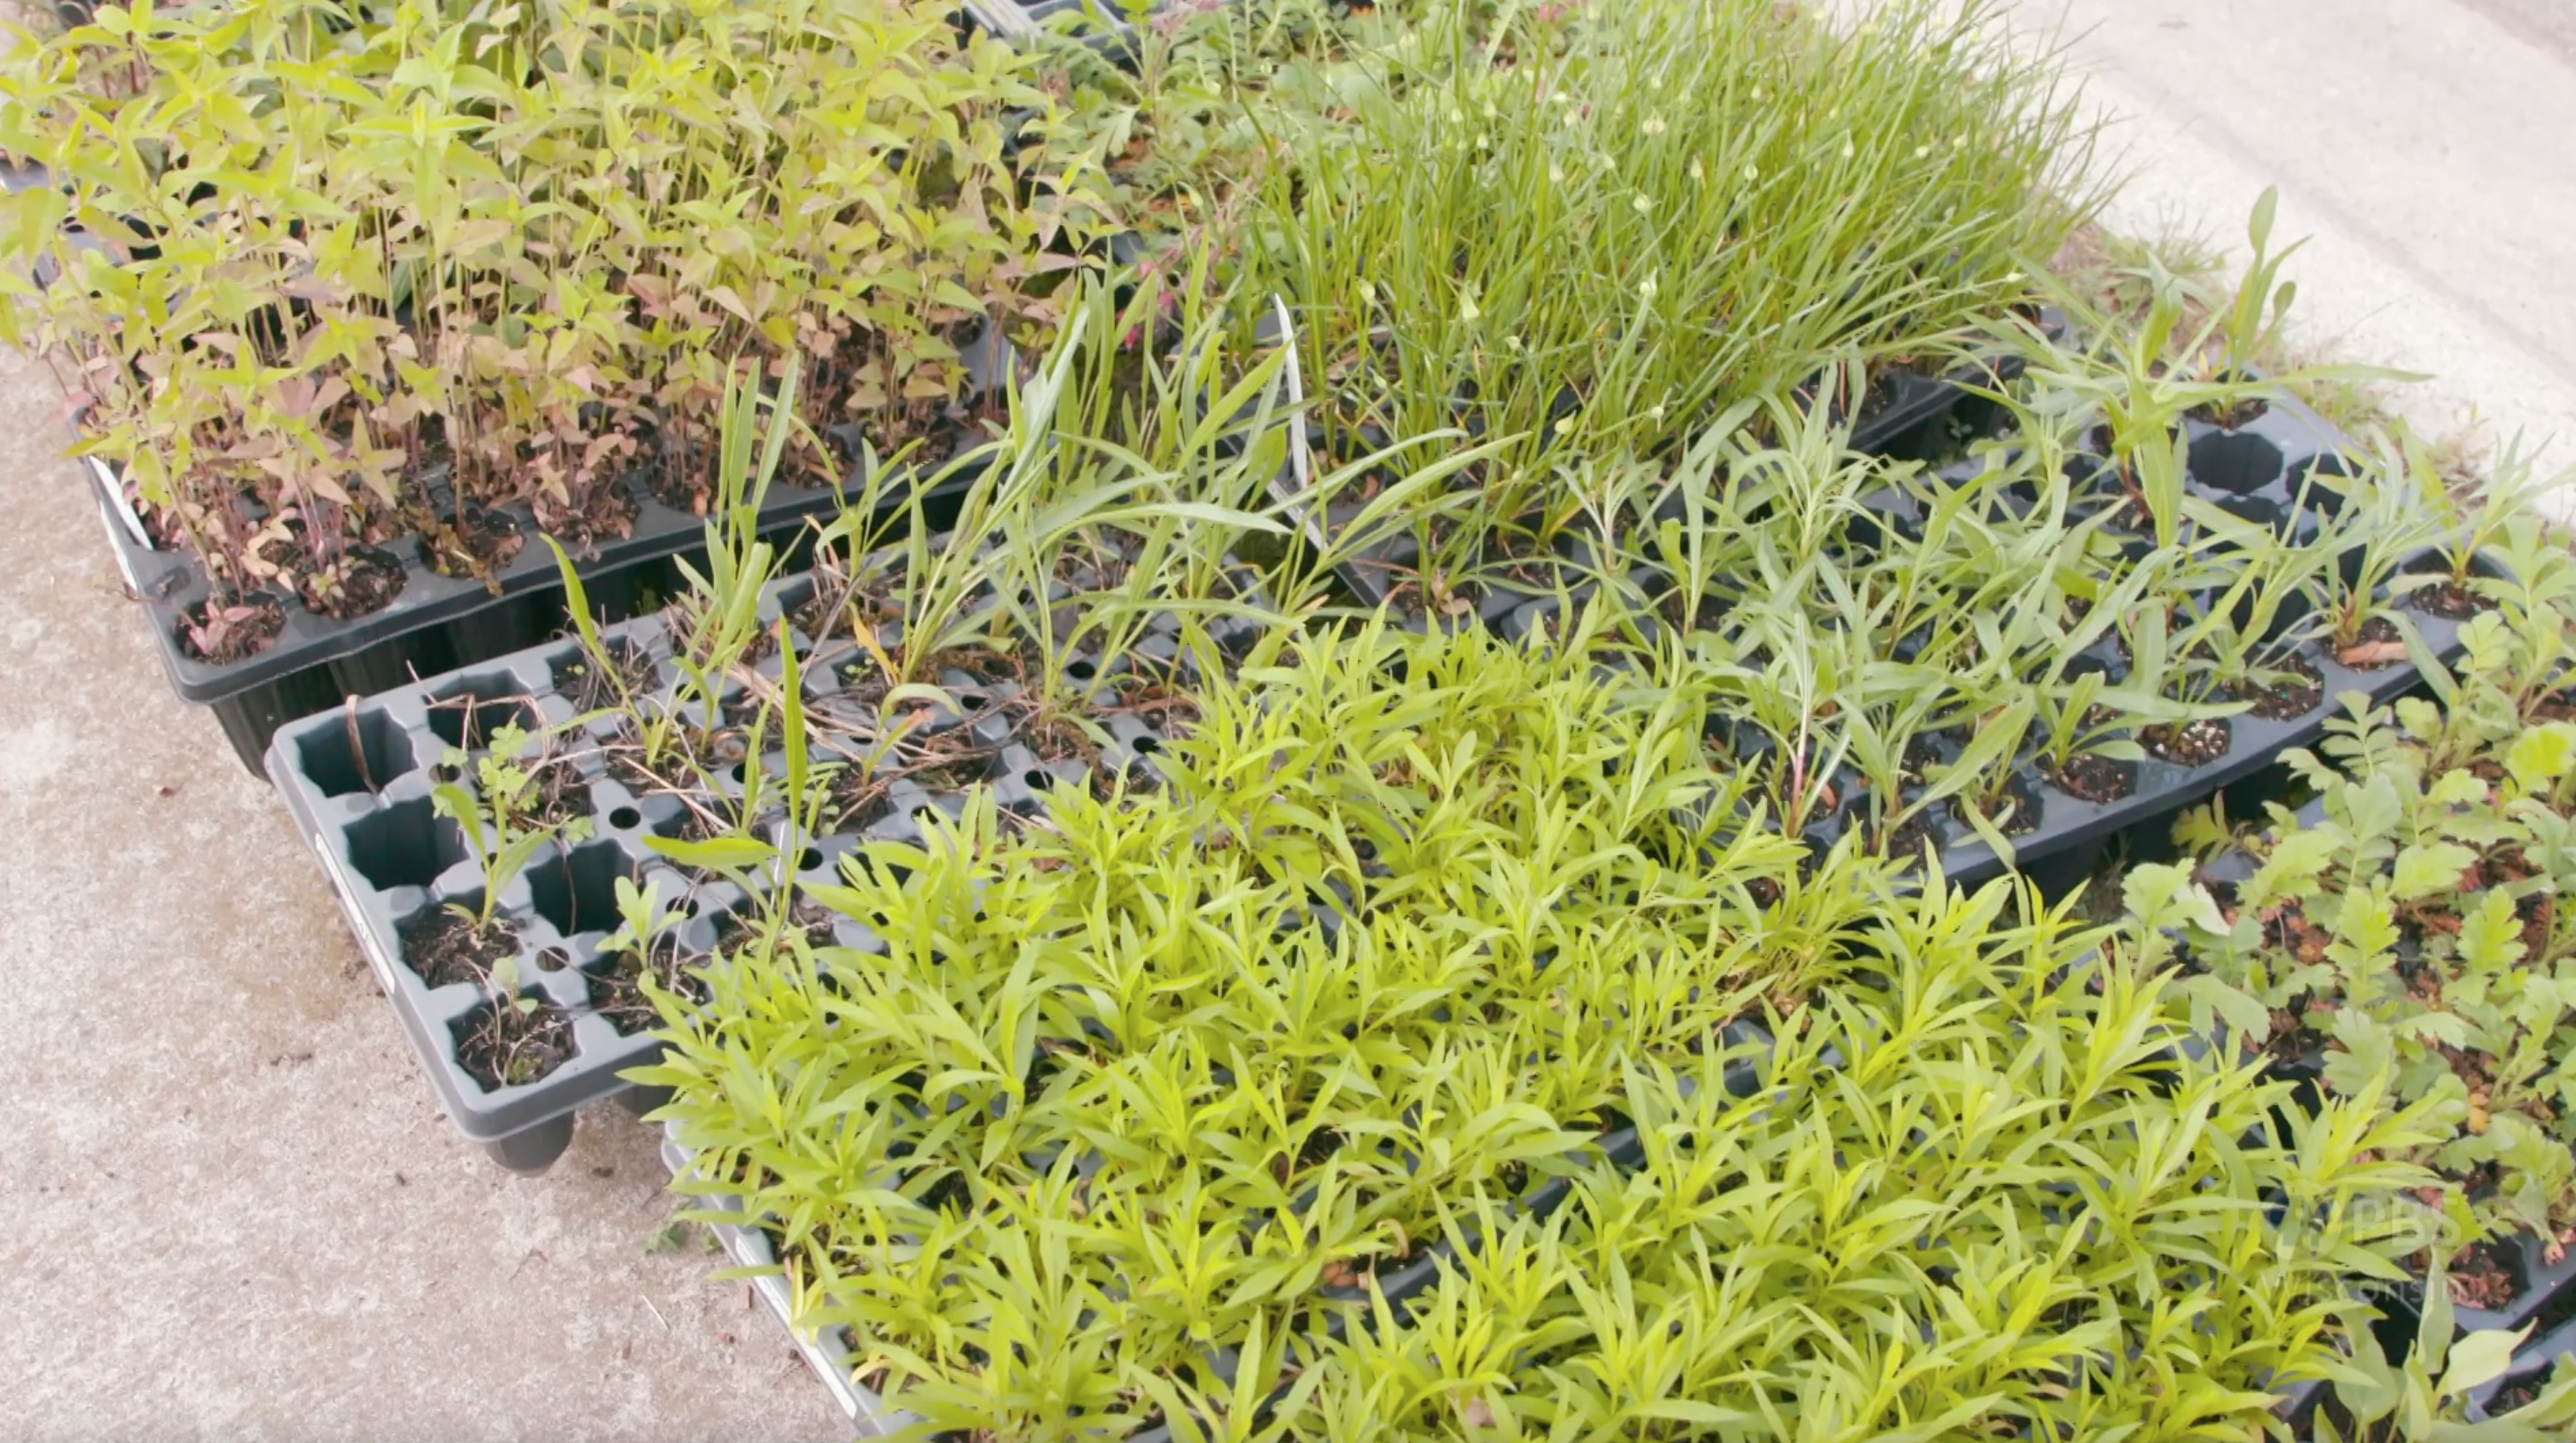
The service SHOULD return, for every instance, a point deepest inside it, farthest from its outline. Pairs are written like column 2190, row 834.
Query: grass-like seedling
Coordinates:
column 1582, row 231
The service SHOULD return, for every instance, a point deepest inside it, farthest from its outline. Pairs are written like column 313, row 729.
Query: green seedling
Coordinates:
column 2406, row 933
column 2381, row 524
column 2425, row 1398
column 719, row 618
column 499, row 831
column 313, row 267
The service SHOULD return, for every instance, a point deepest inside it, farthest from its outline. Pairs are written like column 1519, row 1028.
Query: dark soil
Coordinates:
column 742, row 709
column 245, row 637
column 679, row 487
column 369, row 582
column 562, row 794
column 2519, row 1395
column 858, row 798
column 2193, row 744
column 500, row 1045
column 695, row 824
column 2233, row 417
column 617, row 986
column 606, row 510
column 826, row 614
column 2096, row 779
column 1910, row 840
column 1885, row 385
column 626, row 764
column 2481, row 1277
column 480, row 546
column 1057, row 738
column 953, row 773
column 2450, row 601
column 444, row 947
column 591, row 687
column 2296, row 694
column 1709, row 616
column 2017, row 813
column 805, row 914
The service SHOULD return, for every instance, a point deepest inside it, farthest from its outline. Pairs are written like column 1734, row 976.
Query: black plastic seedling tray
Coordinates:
column 2072, row 835
column 2544, row 1291
column 2533, row 1363
column 358, row 781
column 1924, row 416
column 2261, row 472
column 436, row 623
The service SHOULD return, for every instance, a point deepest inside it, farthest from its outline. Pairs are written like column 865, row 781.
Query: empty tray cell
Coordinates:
column 404, row 846
column 577, row 890
column 367, row 749
column 2238, row 461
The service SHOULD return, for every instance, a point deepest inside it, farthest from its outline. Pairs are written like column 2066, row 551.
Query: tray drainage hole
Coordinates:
column 1148, row 746
column 353, row 752
column 809, row 859
column 1079, row 669
column 625, row 819
column 1037, row 779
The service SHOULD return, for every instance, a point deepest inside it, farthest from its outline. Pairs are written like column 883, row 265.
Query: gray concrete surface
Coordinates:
column 2422, row 145
column 229, row 1207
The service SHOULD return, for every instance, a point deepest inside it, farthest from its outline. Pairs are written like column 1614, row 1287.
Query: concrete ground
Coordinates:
column 2421, row 145
column 229, row 1207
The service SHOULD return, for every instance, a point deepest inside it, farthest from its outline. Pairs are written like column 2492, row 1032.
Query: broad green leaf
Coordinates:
column 2479, row 1357
column 2541, row 755
column 2427, row 869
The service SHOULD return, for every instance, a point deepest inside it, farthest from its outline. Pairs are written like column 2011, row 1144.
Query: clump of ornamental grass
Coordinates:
column 1581, row 230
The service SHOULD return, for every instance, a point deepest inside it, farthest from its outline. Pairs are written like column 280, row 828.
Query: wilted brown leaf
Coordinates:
column 2372, row 653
